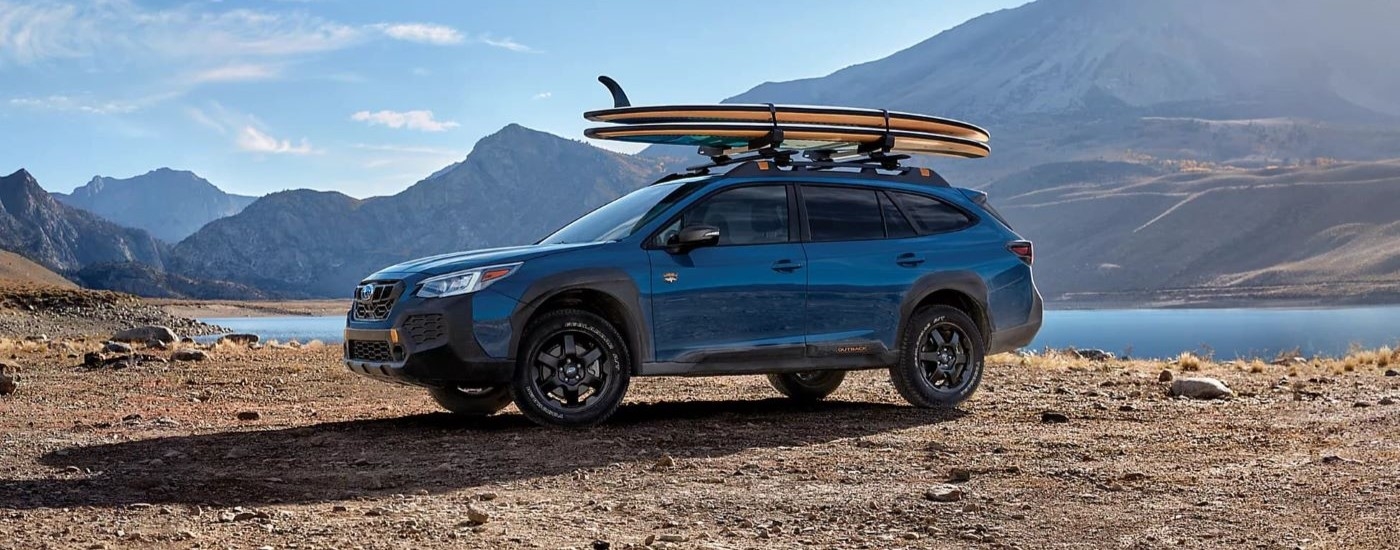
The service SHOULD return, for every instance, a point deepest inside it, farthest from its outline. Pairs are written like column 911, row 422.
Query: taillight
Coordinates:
column 1023, row 250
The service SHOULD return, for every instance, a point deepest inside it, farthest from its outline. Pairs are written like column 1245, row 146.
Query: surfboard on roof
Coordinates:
column 737, row 128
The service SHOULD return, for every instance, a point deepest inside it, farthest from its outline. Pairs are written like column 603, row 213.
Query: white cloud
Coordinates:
column 83, row 104
column 425, row 33
column 413, row 120
column 119, row 30
column 238, row 72
column 542, row 95
column 505, row 43
column 254, row 140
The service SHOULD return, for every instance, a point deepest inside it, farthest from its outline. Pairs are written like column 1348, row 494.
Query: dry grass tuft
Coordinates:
column 1189, row 362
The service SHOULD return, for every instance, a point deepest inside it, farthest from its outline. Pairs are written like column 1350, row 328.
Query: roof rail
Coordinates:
column 780, row 163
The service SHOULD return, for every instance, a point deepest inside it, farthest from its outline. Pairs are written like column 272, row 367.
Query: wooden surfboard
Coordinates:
column 736, row 137
column 788, row 114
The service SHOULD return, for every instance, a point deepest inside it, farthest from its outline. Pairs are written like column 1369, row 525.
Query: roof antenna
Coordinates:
column 619, row 97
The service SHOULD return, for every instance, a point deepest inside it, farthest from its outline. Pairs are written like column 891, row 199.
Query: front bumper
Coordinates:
column 424, row 343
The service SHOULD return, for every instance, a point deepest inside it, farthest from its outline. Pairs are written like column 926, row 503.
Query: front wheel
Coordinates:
column 472, row 401
column 940, row 358
column 809, row 385
column 572, row 369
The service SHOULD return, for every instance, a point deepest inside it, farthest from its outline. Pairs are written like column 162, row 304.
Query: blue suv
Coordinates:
column 797, row 270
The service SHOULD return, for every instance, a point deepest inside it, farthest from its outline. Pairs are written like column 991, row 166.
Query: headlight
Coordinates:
column 464, row 282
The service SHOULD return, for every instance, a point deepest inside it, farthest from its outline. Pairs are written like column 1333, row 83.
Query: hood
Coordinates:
column 457, row 261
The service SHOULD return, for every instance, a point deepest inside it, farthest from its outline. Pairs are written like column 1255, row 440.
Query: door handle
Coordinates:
column 909, row 259
column 786, row 266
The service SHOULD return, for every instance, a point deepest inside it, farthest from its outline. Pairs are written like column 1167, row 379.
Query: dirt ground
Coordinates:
column 156, row 456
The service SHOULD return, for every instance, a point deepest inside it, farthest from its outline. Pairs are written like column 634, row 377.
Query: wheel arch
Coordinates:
column 962, row 290
column 611, row 295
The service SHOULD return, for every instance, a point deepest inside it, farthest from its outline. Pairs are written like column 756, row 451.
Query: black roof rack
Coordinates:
column 872, row 160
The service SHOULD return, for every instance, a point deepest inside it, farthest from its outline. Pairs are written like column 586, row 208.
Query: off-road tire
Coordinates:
column 807, row 386
column 535, row 404
column 476, row 402
column 909, row 374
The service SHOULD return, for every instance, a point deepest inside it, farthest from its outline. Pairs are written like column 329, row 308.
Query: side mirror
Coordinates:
column 694, row 236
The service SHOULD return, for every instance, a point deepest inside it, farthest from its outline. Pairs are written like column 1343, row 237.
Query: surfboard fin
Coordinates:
column 619, row 96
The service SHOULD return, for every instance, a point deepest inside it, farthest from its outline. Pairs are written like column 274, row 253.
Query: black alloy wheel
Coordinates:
column 574, row 370
column 941, row 358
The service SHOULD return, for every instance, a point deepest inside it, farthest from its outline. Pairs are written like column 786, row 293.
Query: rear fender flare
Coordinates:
column 965, row 282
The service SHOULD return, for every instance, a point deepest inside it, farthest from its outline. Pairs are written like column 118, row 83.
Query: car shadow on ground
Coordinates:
column 432, row 452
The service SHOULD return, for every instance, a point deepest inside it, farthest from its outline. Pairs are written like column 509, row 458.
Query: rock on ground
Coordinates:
column 149, row 332
column 944, row 493
column 189, row 355
column 1201, row 388
column 239, row 339
column 7, row 382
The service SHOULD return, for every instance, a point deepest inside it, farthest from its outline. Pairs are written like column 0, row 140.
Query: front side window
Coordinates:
column 746, row 215
column 842, row 214
column 930, row 215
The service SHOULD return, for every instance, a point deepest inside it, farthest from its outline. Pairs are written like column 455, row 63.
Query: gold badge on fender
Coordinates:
column 670, row 277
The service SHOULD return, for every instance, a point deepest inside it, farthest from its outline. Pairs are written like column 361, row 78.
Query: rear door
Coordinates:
column 741, row 299
column 864, row 255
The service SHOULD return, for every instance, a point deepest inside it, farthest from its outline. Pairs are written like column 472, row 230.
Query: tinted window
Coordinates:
column 837, row 214
column 747, row 215
column 896, row 225
column 930, row 215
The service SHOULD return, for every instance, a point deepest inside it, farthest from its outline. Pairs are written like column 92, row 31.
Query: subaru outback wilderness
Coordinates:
column 797, row 270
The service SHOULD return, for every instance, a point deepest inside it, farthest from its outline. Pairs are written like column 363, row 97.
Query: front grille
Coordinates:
column 424, row 328
column 369, row 350
column 375, row 299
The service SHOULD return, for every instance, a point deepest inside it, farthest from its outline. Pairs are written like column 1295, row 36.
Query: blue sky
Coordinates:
column 367, row 98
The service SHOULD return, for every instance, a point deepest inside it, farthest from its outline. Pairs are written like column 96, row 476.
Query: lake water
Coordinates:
column 1229, row 333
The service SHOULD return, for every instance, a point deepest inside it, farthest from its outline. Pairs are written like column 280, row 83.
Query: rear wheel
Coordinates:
column 940, row 358
column 572, row 371
column 809, row 385
column 472, row 401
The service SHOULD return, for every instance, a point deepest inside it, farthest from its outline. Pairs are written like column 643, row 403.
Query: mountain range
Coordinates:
column 1175, row 151
column 64, row 238
column 169, row 204
column 515, row 187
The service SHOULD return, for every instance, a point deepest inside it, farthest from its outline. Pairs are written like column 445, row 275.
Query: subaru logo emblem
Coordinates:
column 367, row 291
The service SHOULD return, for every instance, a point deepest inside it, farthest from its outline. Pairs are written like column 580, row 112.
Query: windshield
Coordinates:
column 622, row 217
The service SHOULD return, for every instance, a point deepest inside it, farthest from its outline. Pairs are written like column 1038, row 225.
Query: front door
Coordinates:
column 743, row 297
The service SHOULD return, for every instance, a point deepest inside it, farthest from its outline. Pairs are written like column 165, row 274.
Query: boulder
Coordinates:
column 1201, row 388
column 93, row 360
column 8, row 385
column 149, row 332
column 189, row 355
column 244, row 339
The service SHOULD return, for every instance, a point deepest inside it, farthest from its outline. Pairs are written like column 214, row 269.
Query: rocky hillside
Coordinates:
column 1252, row 83
column 1238, row 59
column 1113, row 231
column 63, row 238
column 144, row 280
column 169, row 204
column 515, row 187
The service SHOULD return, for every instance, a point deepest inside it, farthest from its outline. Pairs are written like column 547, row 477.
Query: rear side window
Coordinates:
column 842, row 214
column 930, row 215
